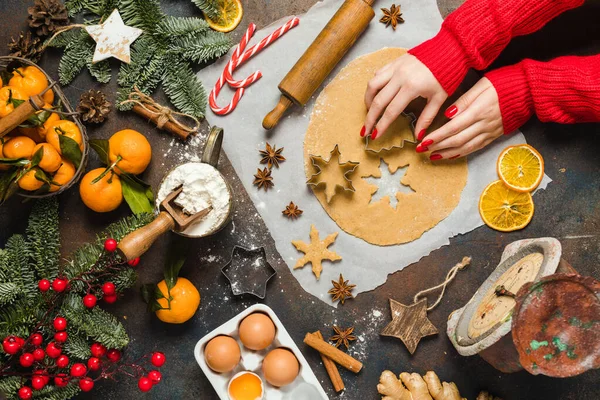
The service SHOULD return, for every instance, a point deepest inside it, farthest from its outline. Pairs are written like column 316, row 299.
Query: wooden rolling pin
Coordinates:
column 317, row 62
column 20, row 114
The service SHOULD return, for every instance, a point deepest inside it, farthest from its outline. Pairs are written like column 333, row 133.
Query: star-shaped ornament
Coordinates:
column 332, row 173
column 113, row 38
column 409, row 323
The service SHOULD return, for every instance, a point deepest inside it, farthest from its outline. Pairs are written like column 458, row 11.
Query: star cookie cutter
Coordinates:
column 345, row 169
column 395, row 142
column 248, row 271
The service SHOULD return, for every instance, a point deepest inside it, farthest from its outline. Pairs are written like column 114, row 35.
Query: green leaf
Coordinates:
column 37, row 157
column 16, row 102
column 5, row 76
column 136, row 197
column 208, row 7
column 70, row 150
column 175, row 260
column 150, row 294
column 36, row 119
column 8, row 184
column 101, row 148
column 41, row 176
column 16, row 162
column 101, row 71
column 137, row 180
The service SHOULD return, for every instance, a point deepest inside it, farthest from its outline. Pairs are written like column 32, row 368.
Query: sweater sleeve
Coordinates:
column 565, row 90
column 477, row 32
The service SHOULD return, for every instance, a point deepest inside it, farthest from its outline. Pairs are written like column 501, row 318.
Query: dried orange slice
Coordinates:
column 521, row 167
column 504, row 209
column 230, row 16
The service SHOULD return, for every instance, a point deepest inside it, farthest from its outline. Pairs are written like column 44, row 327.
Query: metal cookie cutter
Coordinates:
column 346, row 168
column 248, row 271
column 393, row 141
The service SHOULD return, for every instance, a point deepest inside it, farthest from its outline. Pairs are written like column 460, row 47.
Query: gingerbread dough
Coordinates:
column 337, row 118
column 316, row 251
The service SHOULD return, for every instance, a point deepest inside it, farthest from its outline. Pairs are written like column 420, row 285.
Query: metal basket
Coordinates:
column 5, row 62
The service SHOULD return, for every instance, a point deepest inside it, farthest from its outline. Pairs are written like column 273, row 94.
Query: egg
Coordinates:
column 280, row 367
column 245, row 385
column 222, row 354
column 257, row 331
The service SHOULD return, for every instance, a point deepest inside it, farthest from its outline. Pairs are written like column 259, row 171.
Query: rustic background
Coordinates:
column 568, row 210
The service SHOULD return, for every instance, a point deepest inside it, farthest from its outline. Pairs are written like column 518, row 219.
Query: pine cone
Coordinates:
column 93, row 106
column 46, row 16
column 26, row 46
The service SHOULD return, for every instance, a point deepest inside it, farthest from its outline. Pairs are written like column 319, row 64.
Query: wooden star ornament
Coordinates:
column 332, row 173
column 113, row 38
column 409, row 323
column 316, row 251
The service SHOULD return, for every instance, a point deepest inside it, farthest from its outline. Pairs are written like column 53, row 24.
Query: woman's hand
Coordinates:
column 475, row 121
column 396, row 85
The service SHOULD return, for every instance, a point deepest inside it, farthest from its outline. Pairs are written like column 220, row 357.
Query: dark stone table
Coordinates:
column 568, row 210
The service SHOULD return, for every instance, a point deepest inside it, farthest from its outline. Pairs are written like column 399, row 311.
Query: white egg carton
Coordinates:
column 305, row 387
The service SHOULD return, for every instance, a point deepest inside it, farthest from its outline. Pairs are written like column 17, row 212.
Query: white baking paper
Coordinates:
column 363, row 264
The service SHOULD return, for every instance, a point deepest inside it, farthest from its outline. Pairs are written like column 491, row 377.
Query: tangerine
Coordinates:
column 65, row 173
column 29, row 182
column 43, row 130
column 31, row 80
column 51, row 160
column 8, row 93
column 63, row 127
column 185, row 300
column 18, row 147
column 132, row 151
column 103, row 196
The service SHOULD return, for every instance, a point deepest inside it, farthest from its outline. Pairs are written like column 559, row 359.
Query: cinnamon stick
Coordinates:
column 343, row 359
column 331, row 368
column 168, row 126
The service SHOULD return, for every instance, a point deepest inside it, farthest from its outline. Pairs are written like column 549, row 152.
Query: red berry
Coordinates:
column 110, row 298
column 113, row 355
column 60, row 323
column 78, row 370
column 97, row 350
column 61, row 336
column 94, row 363
column 86, row 384
column 26, row 360
column 59, row 284
column 155, row 376
column 89, row 300
column 62, row 361
column 158, row 359
column 36, row 339
column 25, row 393
column 145, row 384
column 12, row 344
column 53, row 350
column 39, row 354
column 44, row 285
column 134, row 262
column 38, row 382
column 108, row 288
column 43, row 373
column 61, row 380
column 110, row 245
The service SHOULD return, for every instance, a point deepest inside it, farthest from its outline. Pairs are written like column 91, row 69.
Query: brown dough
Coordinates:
column 337, row 118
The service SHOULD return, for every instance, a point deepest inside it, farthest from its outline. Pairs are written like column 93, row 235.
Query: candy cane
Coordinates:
column 237, row 59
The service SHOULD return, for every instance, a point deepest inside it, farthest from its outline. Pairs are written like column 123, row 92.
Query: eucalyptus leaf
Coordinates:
column 101, row 148
column 70, row 150
column 135, row 196
column 175, row 260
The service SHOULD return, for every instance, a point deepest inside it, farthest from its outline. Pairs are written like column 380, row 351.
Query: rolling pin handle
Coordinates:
column 274, row 116
column 138, row 242
column 20, row 114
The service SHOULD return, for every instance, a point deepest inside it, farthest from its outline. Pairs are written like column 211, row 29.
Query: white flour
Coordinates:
column 203, row 186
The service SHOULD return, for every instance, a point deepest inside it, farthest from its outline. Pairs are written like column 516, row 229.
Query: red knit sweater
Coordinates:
column 566, row 89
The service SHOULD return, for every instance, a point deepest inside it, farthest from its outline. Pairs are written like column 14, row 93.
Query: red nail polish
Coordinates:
column 421, row 135
column 434, row 157
column 453, row 157
column 421, row 149
column 362, row 131
column 451, row 111
column 374, row 134
column 427, row 142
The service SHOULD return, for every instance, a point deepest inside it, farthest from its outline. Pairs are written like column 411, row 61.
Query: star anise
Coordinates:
column 342, row 336
column 392, row 16
column 263, row 179
column 341, row 290
column 292, row 211
column 271, row 155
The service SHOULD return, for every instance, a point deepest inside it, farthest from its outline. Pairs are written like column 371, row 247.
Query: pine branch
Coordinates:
column 125, row 279
column 18, row 258
column 144, row 14
column 9, row 386
column 208, row 7
column 5, row 270
column 77, row 347
column 64, row 39
column 76, row 6
column 78, row 54
column 100, row 71
column 52, row 392
column 8, row 292
column 44, row 237
column 184, row 89
column 201, row 49
column 181, row 26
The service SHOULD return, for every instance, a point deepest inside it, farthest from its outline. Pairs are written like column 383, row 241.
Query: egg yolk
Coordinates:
column 246, row 387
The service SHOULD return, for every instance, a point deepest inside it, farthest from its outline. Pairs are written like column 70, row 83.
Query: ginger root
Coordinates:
column 414, row 387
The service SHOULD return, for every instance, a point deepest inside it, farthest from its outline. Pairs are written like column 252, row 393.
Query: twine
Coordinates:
column 449, row 277
column 163, row 114
column 59, row 31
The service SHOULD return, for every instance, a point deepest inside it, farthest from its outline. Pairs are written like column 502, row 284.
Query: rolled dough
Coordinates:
column 337, row 118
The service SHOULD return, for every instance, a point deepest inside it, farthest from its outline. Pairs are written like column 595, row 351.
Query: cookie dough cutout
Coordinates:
column 337, row 118
column 316, row 251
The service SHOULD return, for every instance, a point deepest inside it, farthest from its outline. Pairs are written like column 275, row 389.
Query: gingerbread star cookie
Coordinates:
column 316, row 251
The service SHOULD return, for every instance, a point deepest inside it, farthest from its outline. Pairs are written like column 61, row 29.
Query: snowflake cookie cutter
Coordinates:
column 394, row 140
column 345, row 169
column 248, row 271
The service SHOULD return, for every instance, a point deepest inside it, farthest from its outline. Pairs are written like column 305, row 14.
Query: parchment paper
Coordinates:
column 364, row 264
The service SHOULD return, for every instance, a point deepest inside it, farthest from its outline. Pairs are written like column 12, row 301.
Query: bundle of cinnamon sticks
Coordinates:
column 330, row 356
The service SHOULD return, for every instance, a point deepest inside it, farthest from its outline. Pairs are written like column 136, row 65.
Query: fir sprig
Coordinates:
column 208, row 7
